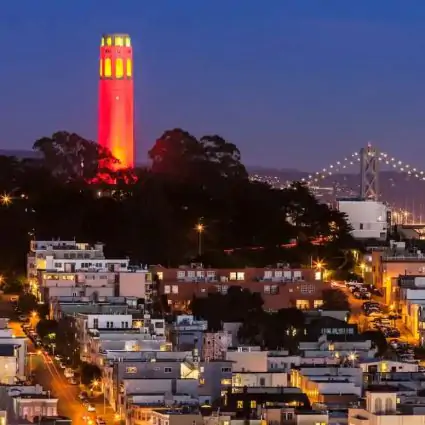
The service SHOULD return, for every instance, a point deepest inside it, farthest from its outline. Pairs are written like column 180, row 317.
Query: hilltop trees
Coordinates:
column 150, row 214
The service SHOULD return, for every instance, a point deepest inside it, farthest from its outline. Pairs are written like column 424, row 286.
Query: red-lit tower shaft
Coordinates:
column 116, row 103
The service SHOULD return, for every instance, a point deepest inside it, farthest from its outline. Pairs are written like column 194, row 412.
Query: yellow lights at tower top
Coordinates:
column 121, row 40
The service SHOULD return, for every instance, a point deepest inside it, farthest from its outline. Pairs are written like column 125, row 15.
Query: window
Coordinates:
column 129, row 71
column 307, row 289
column 361, row 226
column 119, row 68
column 131, row 369
column 96, row 323
column 101, row 67
column 237, row 276
column 167, row 369
column 239, row 404
column 317, row 275
column 302, row 304
column 318, row 303
column 160, row 275
column 108, row 67
column 127, row 42
column 167, row 289
column 175, row 289
column 181, row 274
column 109, row 41
column 263, row 381
column 58, row 265
column 119, row 41
column 226, row 370
column 268, row 274
column 253, row 404
column 226, row 381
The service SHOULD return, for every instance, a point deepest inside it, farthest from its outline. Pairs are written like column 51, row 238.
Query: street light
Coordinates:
column 5, row 199
column 200, row 229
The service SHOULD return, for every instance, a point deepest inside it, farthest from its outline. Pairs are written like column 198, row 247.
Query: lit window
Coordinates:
column 226, row 381
column 174, row 289
column 253, row 404
column 131, row 369
column 109, row 41
column 241, row 276
column 240, row 404
column 108, row 68
column 129, row 70
column 101, row 67
column 127, row 42
column 160, row 275
column 302, row 304
column 119, row 41
column 102, row 42
column 167, row 289
column 317, row 275
column 119, row 68
column 318, row 303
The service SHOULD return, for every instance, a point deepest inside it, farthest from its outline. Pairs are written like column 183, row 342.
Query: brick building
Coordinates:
column 279, row 287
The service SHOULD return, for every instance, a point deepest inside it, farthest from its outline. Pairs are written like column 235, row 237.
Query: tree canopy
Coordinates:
column 149, row 214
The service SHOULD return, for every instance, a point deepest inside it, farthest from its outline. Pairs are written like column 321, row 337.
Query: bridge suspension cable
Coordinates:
column 354, row 158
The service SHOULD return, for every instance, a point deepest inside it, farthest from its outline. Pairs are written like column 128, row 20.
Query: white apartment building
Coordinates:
column 88, row 324
column 69, row 257
column 13, row 355
column 381, row 408
column 53, row 284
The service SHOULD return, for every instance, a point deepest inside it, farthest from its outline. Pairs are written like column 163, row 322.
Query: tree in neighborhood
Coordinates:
column 27, row 303
column 89, row 373
column 335, row 299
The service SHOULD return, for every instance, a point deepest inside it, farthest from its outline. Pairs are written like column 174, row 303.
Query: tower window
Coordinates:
column 119, row 41
column 101, row 67
column 128, row 66
column 127, row 42
column 119, row 68
column 108, row 67
column 102, row 42
column 109, row 41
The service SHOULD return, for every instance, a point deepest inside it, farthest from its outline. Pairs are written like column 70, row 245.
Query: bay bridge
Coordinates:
column 370, row 161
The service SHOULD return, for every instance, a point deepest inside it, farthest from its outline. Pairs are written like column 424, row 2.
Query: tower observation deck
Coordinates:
column 116, row 98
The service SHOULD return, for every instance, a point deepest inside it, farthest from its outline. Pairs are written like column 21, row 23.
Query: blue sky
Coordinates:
column 293, row 83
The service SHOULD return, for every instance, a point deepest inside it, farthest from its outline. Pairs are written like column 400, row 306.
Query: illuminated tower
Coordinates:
column 116, row 109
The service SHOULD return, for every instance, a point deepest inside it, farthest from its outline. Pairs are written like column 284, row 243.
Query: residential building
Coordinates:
column 175, row 417
column 388, row 265
column 246, row 401
column 186, row 333
column 66, row 258
column 328, row 384
column 29, row 402
column 13, row 355
column 215, row 345
column 381, row 408
column 280, row 287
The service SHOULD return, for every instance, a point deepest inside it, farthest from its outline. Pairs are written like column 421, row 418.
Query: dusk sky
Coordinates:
column 294, row 84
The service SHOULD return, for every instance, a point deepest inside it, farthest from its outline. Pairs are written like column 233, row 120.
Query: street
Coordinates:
column 48, row 374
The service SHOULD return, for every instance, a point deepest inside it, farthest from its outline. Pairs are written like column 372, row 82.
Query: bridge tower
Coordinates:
column 369, row 173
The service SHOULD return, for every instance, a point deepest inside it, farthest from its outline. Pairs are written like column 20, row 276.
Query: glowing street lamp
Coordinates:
column 200, row 229
column 5, row 199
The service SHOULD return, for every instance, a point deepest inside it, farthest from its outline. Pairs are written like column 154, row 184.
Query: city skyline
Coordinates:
column 288, row 78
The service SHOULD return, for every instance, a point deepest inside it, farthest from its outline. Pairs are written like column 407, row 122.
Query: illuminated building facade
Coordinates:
column 116, row 103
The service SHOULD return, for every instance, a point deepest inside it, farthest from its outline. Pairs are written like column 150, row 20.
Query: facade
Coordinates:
column 215, row 345
column 388, row 265
column 116, row 103
column 369, row 218
column 381, row 408
column 280, row 287
column 68, row 268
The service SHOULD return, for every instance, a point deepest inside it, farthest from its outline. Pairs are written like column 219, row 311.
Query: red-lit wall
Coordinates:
column 116, row 104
